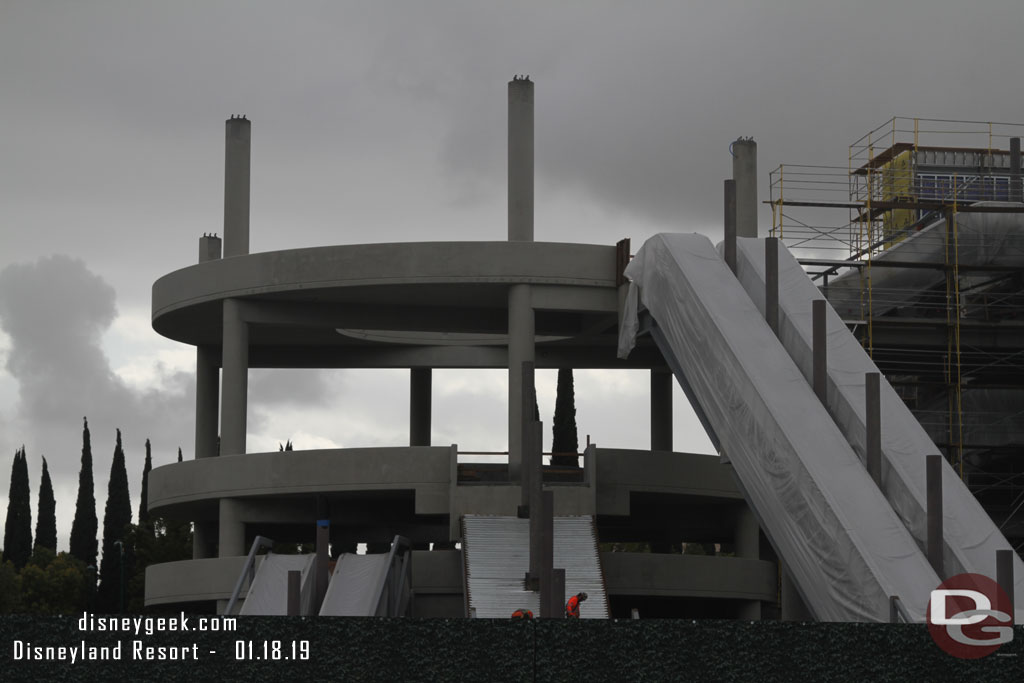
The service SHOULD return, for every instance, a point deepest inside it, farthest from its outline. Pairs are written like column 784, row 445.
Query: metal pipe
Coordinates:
column 872, row 397
column 933, row 486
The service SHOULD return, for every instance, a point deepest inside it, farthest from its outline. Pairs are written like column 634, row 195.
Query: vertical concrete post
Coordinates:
column 236, row 186
column 235, row 361
column 793, row 607
column 520, row 350
column 520, row 160
column 1004, row 577
column 419, row 406
column 294, row 592
column 771, row 283
column 933, row 487
column 744, row 172
column 207, row 395
column 231, row 534
column 730, row 225
column 530, row 471
column 558, row 593
column 661, row 409
column 747, row 539
column 873, row 407
column 1015, row 177
column 547, row 506
column 209, row 248
column 819, row 351
column 321, row 577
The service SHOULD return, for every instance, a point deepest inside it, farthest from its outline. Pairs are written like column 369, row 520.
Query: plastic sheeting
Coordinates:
column 268, row 594
column 844, row 545
column 355, row 586
column 981, row 239
column 498, row 557
column 970, row 537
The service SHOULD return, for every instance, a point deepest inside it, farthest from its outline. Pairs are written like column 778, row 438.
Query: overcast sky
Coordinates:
column 385, row 121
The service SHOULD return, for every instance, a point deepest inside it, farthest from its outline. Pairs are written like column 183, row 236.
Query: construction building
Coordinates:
column 468, row 539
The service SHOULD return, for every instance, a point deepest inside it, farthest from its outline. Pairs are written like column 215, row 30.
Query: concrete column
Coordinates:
column 1004, row 577
column 819, row 352
column 204, row 539
column 294, row 593
column 730, row 225
column 323, row 533
column 1015, row 178
column 419, row 406
column 793, row 607
column 873, row 424
column 520, row 350
column 236, row 186
column 933, row 510
column 747, row 538
column 661, row 409
column 209, row 248
column 207, row 395
column 744, row 172
column 232, row 529
column 520, row 159
column 235, row 362
column 771, row 283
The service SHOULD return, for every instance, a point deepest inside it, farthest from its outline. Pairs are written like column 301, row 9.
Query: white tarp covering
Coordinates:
column 980, row 239
column 498, row 556
column 970, row 537
column 844, row 545
column 355, row 585
column 268, row 594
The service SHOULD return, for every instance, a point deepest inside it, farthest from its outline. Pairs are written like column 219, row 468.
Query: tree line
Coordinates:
column 35, row 578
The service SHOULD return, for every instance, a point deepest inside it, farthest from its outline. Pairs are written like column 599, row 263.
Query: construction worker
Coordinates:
column 572, row 607
column 522, row 613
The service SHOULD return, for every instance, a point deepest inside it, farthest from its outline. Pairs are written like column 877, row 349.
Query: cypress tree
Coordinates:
column 179, row 452
column 46, row 522
column 84, row 527
column 116, row 517
column 565, row 443
column 18, row 527
column 144, row 503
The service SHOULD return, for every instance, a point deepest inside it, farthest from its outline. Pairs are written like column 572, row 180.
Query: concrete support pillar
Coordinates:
column 520, row 350
column 873, row 414
column 209, row 248
column 771, row 283
column 236, row 186
column 520, row 160
column 730, row 225
column 744, row 172
column 235, row 361
column 207, row 395
column 793, row 607
column 232, row 529
column 661, row 409
column 933, row 493
column 819, row 352
column 1015, row 177
column 419, row 406
column 204, row 540
column 1004, row 577
column 323, row 535
column 747, row 539
column 294, row 593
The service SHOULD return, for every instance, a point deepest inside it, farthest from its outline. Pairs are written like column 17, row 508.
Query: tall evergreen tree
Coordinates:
column 565, row 443
column 116, row 517
column 179, row 453
column 18, row 528
column 84, row 527
column 144, row 503
column 46, row 521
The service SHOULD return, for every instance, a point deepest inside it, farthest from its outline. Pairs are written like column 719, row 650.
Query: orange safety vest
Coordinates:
column 522, row 614
column 572, row 608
